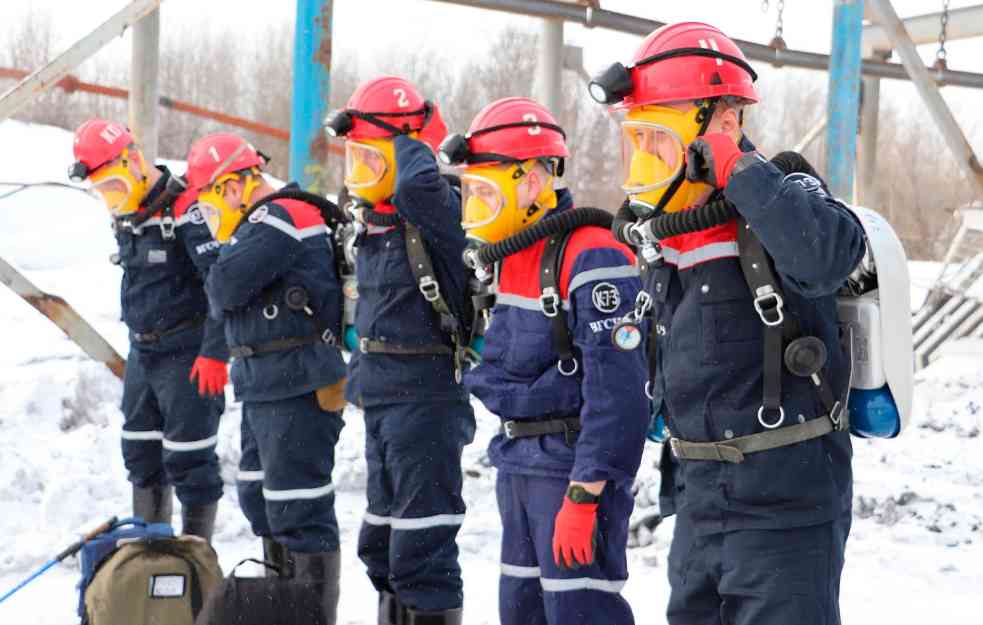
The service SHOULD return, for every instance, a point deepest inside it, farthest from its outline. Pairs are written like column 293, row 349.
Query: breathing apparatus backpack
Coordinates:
column 873, row 308
column 341, row 238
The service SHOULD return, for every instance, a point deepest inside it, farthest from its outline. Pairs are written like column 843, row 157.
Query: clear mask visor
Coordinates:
column 365, row 165
column 482, row 200
column 652, row 156
column 115, row 190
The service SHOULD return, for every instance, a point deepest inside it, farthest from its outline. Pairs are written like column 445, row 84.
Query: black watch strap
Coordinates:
column 579, row 494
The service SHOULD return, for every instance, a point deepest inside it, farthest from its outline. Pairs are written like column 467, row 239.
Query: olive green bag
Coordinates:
column 153, row 582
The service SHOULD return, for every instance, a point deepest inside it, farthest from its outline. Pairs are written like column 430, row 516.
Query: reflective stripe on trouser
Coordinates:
column 757, row 577
column 415, row 509
column 533, row 590
column 169, row 430
column 284, row 478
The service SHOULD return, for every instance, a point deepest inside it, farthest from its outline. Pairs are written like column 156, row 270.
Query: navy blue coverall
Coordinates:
column 417, row 418
column 169, row 430
column 288, row 441
column 758, row 542
column 519, row 379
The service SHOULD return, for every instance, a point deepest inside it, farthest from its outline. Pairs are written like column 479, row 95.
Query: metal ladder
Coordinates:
column 953, row 308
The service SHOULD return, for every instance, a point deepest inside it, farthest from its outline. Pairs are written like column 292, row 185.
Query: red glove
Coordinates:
column 435, row 130
column 575, row 534
column 212, row 375
column 714, row 158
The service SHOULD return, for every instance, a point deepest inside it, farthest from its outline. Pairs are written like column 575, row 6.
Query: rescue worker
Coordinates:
column 404, row 374
column 275, row 285
column 573, row 429
column 170, row 423
column 748, row 372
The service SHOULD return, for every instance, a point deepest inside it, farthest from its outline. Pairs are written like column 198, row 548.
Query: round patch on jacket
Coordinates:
column 259, row 214
column 807, row 182
column 606, row 297
column 195, row 216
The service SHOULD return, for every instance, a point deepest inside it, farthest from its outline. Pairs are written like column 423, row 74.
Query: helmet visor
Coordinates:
column 482, row 199
column 652, row 156
column 365, row 165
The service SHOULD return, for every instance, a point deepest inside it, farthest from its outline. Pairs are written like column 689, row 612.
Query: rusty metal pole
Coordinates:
column 312, row 89
column 145, row 84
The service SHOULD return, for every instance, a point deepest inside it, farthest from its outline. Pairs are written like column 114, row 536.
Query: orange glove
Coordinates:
column 212, row 375
column 435, row 130
column 575, row 534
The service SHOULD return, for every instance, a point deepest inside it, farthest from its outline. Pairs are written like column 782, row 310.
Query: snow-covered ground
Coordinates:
column 915, row 555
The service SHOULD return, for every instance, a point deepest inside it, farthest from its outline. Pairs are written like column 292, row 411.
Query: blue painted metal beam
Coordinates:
column 312, row 88
column 843, row 99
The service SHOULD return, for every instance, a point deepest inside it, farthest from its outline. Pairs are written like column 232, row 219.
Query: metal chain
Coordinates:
column 942, row 53
column 780, row 24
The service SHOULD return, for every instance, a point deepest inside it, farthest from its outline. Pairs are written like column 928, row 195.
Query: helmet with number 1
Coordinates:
column 379, row 110
column 213, row 162
column 105, row 157
column 669, row 91
column 510, row 143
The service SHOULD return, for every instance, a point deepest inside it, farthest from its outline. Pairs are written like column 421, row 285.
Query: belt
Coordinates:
column 569, row 427
column 280, row 345
column 734, row 450
column 153, row 337
column 370, row 346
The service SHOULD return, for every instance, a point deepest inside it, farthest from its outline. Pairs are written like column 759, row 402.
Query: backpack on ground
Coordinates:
column 271, row 600
column 139, row 573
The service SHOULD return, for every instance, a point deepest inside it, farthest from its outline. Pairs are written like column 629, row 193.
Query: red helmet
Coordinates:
column 98, row 142
column 380, row 108
column 219, row 154
column 508, row 129
column 678, row 62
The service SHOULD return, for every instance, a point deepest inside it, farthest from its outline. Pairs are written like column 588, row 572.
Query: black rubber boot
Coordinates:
column 199, row 520
column 391, row 611
column 322, row 573
column 443, row 617
column 154, row 504
column 279, row 556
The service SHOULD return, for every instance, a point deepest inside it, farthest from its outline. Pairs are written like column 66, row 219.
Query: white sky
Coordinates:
column 364, row 26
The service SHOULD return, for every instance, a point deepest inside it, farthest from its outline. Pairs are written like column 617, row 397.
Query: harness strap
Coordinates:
column 370, row 346
column 570, row 427
column 780, row 330
column 279, row 345
column 153, row 337
column 551, row 303
column 426, row 279
column 735, row 449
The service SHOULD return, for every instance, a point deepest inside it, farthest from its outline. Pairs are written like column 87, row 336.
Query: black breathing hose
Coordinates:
column 711, row 214
column 554, row 224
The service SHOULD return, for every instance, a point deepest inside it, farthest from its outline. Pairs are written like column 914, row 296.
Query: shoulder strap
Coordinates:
column 782, row 335
column 551, row 302
column 426, row 279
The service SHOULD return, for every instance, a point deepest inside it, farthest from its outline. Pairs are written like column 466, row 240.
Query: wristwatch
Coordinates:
column 579, row 494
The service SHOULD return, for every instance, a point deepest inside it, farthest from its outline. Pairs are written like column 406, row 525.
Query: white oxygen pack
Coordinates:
column 874, row 310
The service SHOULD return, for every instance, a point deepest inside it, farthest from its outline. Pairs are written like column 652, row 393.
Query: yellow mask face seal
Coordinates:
column 654, row 141
column 370, row 169
column 221, row 218
column 490, row 199
column 121, row 191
